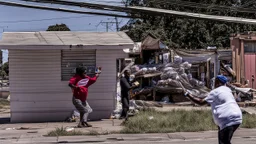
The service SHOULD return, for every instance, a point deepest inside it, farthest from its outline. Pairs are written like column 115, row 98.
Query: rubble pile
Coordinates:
column 172, row 75
column 163, row 76
column 138, row 70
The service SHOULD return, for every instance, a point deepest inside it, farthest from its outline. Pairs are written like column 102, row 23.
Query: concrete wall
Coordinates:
column 39, row 95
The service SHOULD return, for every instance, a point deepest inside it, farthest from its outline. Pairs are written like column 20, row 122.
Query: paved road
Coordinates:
column 208, row 141
column 194, row 141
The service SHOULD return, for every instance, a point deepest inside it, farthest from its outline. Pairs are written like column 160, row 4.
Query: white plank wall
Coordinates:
column 38, row 94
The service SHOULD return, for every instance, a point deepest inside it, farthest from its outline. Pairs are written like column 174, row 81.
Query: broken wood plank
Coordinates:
column 249, row 110
column 149, row 75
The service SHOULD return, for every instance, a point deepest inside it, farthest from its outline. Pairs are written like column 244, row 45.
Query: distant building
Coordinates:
column 41, row 64
column 244, row 57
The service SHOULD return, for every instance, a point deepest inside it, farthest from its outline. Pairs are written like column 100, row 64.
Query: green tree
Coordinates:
column 58, row 27
column 186, row 32
column 5, row 69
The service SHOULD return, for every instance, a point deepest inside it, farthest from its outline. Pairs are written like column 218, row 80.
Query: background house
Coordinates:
column 41, row 64
column 244, row 57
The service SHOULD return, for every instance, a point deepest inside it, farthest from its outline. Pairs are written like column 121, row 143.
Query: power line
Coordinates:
column 21, row 21
column 131, row 10
column 102, row 1
column 61, row 9
column 134, row 10
column 107, row 24
column 82, row 4
column 204, row 6
column 3, row 27
column 248, row 3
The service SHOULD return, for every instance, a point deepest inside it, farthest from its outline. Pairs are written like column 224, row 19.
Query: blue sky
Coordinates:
column 13, row 19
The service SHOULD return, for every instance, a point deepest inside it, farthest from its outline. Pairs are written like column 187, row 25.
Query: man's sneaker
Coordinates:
column 80, row 125
column 85, row 124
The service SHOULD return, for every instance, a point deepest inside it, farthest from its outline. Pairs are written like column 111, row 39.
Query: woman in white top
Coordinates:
column 226, row 112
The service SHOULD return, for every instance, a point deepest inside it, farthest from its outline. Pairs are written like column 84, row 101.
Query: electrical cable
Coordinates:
column 204, row 6
column 21, row 21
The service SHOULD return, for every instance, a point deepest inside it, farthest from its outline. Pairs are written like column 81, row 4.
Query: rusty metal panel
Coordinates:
column 250, row 68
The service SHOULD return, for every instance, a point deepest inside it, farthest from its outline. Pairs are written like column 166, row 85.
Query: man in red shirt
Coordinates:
column 79, row 84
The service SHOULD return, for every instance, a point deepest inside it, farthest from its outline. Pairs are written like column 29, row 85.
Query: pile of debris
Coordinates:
column 169, row 77
column 174, row 76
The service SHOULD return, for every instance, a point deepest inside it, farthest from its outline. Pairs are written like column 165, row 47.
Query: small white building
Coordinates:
column 41, row 64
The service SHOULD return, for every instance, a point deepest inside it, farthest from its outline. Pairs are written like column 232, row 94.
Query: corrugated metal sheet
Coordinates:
column 67, row 38
column 250, row 47
column 70, row 59
column 225, row 54
column 39, row 94
column 250, row 68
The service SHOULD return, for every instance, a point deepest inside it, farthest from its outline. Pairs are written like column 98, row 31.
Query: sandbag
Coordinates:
column 177, row 60
column 186, row 65
column 173, row 83
column 185, row 77
column 169, row 74
column 168, row 69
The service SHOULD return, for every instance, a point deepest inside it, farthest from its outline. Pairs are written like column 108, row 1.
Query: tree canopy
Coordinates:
column 5, row 69
column 186, row 32
column 58, row 27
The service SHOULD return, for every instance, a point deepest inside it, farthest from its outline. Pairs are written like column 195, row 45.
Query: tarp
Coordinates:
column 195, row 59
column 152, row 43
column 188, row 53
column 135, row 50
column 225, row 55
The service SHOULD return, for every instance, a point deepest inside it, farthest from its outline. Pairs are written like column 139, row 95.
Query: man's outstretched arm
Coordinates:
column 196, row 100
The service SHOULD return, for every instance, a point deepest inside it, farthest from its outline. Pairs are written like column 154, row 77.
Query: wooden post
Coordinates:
column 154, row 94
column 238, row 68
column 233, row 54
column 208, row 72
column 242, row 64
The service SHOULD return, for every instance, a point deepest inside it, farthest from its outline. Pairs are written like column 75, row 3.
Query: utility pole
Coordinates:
column 3, row 27
column 107, row 24
column 117, row 24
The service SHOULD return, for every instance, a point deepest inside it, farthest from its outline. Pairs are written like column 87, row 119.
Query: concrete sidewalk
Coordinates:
column 34, row 133
column 132, row 138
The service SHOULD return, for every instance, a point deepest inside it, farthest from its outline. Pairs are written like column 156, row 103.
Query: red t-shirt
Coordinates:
column 83, row 83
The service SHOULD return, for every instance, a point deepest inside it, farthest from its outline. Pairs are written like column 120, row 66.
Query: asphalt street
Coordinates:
column 205, row 141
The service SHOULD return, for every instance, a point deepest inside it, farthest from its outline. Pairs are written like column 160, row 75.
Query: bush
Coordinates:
column 62, row 132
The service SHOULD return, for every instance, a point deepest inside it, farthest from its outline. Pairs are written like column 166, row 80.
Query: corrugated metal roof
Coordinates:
column 67, row 38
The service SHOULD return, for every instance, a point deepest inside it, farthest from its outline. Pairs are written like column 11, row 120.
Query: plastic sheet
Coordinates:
column 174, row 76
column 141, row 70
column 186, row 65
column 177, row 60
column 169, row 74
column 135, row 68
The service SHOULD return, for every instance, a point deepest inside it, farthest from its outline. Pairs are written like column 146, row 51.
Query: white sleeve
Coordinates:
column 211, row 97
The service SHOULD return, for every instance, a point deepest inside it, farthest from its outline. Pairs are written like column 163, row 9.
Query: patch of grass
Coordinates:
column 177, row 121
column 249, row 121
column 95, row 132
column 62, row 132
column 4, row 103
